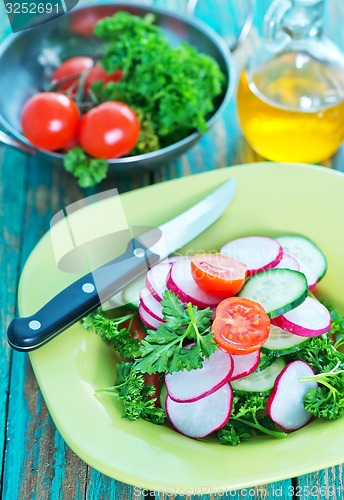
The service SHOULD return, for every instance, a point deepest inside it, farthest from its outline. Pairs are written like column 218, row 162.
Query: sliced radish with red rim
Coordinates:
column 245, row 364
column 191, row 385
column 288, row 261
column 309, row 319
column 151, row 304
column 201, row 417
column 258, row 253
column 156, row 279
column 148, row 320
column 181, row 282
column 285, row 404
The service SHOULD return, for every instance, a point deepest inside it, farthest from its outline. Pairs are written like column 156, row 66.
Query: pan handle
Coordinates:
column 190, row 9
column 5, row 138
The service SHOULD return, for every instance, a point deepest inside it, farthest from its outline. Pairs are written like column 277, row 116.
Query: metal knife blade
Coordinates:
column 87, row 293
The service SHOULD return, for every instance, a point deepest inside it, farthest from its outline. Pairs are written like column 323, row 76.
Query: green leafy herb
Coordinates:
column 248, row 419
column 89, row 171
column 163, row 350
column 337, row 328
column 327, row 400
column 137, row 397
column 176, row 87
column 121, row 339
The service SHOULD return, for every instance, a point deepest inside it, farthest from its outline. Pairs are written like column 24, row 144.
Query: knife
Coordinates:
column 82, row 296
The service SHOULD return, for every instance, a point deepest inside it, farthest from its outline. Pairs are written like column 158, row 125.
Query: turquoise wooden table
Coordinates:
column 35, row 462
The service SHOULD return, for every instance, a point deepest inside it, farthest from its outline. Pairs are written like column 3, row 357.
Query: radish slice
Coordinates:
column 258, row 253
column 289, row 262
column 156, row 279
column 245, row 364
column 200, row 418
column 150, row 304
column 285, row 404
column 147, row 319
column 309, row 319
column 187, row 386
column 181, row 282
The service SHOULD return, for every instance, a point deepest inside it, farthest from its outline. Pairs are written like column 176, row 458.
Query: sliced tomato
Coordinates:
column 217, row 274
column 240, row 325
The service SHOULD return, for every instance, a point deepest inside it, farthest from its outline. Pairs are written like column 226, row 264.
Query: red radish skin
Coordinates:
column 309, row 319
column 181, row 282
column 258, row 253
column 285, row 403
column 148, row 320
column 200, row 418
column 156, row 279
column 151, row 304
column 289, row 261
column 244, row 364
column 188, row 386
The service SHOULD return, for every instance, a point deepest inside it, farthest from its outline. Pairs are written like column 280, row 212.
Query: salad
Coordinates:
column 233, row 344
column 139, row 95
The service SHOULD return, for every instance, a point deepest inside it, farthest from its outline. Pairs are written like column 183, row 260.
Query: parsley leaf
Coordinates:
column 176, row 87
column 120, row 339
column 89, row 171
column 137, row 397
column 163, row 349
column 248, row 419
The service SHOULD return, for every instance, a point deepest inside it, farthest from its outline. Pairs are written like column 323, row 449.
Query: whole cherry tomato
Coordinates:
column 97, row 73
column 50, row 120
column 69, row 68
column 109, row 130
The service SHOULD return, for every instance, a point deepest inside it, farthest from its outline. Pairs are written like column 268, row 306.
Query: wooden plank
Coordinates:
column 324, row 484
column 12, row 201
column 38, row 464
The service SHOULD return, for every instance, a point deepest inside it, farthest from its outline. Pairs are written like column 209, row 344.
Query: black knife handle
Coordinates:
column 80, row 298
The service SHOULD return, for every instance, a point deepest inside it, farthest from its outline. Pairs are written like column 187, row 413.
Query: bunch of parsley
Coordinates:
column 161, row 350
column 175, row 87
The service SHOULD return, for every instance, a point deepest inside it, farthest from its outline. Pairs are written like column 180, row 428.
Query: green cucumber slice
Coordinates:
column 260, row 382
column 280, row 342
column 277, row 290
column 306, row 252
column 265, row 361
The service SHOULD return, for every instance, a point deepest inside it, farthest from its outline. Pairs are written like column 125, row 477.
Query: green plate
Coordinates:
column 272, row 199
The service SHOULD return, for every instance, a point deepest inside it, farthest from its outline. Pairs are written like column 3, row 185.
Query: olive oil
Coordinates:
column 292, row 110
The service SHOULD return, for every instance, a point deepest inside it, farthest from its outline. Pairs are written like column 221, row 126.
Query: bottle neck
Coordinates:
column 304, row 19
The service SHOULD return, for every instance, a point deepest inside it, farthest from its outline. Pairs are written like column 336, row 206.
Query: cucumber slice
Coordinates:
column 277, row 290
column 306, row 252
column 265, row 361
column 280, row 342
column 260, row 382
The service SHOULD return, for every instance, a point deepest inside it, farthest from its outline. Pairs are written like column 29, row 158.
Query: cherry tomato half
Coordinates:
column 97, row 73
column 219, row 275
column 50, row 120
column 109, row 130
column 72, row 67
column 240, row 325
